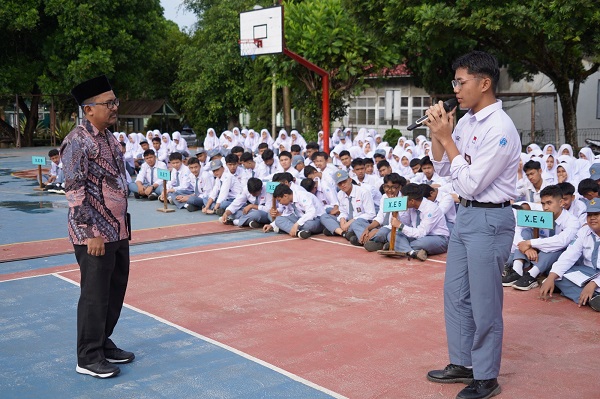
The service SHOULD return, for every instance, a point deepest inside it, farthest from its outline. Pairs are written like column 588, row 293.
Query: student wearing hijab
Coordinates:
column 227, row 140
column 265, row 137
column 566, row 149
column 296, row 138
column 549, row 166
column 532, row 147
column 211, row 141
column 180, row 145
column 550, row 149
column 251, row 140
column 165, row 150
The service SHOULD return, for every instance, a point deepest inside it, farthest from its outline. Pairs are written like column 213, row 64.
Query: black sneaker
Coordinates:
column 137, row 195
column 152, row 197
column 220, row 212
column 304, row 234
column 451, row 374
column 228, row 222
column 510, row 278
column 354, row 241
column 349, row 235
column 373, row 246
column 595, row 303
column 102, row 369
column 421, row 255
column 525, row 283
column 192, row 208
column 117, row 355
column 254, row 224
column 480, row 389
column 386, row 246
column 328, row 233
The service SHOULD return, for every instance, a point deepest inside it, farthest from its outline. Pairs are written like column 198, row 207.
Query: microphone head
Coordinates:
column 450, row 104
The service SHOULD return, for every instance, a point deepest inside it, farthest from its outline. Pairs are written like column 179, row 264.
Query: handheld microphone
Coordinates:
column 448, row 106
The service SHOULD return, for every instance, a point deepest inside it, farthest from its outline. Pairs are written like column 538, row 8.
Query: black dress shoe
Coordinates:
column 102, row 369
column 480, row 389
column 116, row 355
column 451, row 374
column 192, row 208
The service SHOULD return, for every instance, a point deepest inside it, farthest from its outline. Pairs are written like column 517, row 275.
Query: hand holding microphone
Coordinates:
column 449, row 105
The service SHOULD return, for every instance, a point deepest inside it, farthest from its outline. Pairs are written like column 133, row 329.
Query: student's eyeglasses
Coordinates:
column 457, row 84
column 390, row 188
column 110, row 104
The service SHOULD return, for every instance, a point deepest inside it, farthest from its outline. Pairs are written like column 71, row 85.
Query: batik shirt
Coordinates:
column 95, row 185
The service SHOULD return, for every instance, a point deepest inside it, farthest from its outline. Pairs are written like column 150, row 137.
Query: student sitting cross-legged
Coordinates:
column 201, row 183
column 302, row 219
column 421, row 230
column 147, row 184
column 542, row 252
column 180, row 182
column 376, row 234
column 249, row 208
column 580, row 256
column 356, row 210
column 224, row 191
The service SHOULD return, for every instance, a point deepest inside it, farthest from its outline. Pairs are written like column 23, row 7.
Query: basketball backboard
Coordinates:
column 263, row 29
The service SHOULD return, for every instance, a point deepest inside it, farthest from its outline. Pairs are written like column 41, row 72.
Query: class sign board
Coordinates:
column 38, row 160
column 397, row 204
column 271, row 185
column 163, row 174
column 535, row 219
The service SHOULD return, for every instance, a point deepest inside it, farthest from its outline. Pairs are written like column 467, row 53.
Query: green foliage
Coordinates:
column 311, row 136
column 392, row 136
column 62, row 128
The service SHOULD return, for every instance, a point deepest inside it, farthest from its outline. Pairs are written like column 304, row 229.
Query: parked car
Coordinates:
column 190, row 136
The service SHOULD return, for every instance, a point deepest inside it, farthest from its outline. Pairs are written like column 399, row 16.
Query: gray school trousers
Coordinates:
column 285, row 223
column 174, row 195
column 254, row 215
column 568, row 288
column 434, row 245
column 331, row 223
column 545, row 259
column 479, row 246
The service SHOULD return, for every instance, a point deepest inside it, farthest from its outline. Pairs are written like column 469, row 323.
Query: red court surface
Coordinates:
column 354, row 322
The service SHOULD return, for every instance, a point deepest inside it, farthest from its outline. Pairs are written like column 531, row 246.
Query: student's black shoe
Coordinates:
column 386, row 246
column 349, row 235
column 50, row 186
column 328, row 233
column 192, row 208
column 255, row 225
column 152, row 197
column 373, row 246
column 525, row 283
column 137, row 195
column 102, row 369
column 220, row 212
column 354, row 241
column 595, row 303
column 480, row 389
column 344, row 234
column 451, row 374
column 229, row 222
column 304, row 234
column 510, row 278
column 117, row 355
column 421, row 255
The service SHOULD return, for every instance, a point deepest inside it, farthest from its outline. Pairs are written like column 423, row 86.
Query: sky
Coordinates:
column 177, row 14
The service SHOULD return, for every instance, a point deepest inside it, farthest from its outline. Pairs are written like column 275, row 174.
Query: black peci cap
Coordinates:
column 91, row 88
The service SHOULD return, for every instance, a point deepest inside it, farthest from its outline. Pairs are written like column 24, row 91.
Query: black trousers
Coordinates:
column 103, row 285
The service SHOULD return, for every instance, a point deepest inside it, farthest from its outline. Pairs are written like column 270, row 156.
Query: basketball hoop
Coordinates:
column 248, row 46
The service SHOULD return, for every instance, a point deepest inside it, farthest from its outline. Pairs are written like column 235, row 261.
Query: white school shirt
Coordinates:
column 420, row 178
column 380, row 217
column 362, row 204
column 149, row 175
column 375, row 193
column 583, row 245
column 579, row 210
column 325, row 193
column 293, row 171
column 490, row 152
column 371, row 180
column 307, row 206
column 227, row 186
column 330, row 169
column 433, row 221
column 565, row 230
column 528, row 193
column 54, row 168
column 185, row 182
column 204, row 183
column 446, row 205
column 245, row 198
column 266, row 172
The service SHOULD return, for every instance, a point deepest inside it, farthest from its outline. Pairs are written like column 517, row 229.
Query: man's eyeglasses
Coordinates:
column 457, row 84
column 110, row 104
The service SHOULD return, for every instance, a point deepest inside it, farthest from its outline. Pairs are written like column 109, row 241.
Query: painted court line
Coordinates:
column 226, row 347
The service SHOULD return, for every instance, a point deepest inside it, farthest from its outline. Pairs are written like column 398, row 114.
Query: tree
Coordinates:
column 48, row 46
column 553, row 37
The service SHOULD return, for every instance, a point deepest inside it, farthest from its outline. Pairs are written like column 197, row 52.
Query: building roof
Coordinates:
column 144, row 108
column 395, row 72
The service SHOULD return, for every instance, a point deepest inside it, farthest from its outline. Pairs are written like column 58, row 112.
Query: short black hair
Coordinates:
column 262, row 145
column 285, row 154
column 320, row 154
column 247, row 156
column 175, row 156
column 395, row 178
column 566, row 188
column 426, row 161
column 383, row 163
column 479, row 63
column 531, row 165
column 149, row 151
column 357, row 162
column 237, row 149
column 232, row 158
column 313, row 145
column 414, row 162
column 156, row 139
column 378, row 155
column 53, row 152
column 309, row 170
column 426, row 189
column 551, row 191
column 285, row 176
column 282, row 190
column 368, row 161
column 308, row 184
column 193, row 161
column 587, row 186
column 254, row 185
column 267, row 155
column 344, row 153
column 412, row 191
column 295, row 148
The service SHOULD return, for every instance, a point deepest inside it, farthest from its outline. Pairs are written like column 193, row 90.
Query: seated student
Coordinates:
column 420, row 230
column 249, row 166
column 532, row 189
column 376, row 234
column 321, row 161
column 326, row 196
column 581, row 255
column 55, row 182
column 295, row 149
column 298, row 164
column 346, row 161
column 384, row 168
column 202, row 156
column 226, row 188
column 180, row 183
column 371, row 182
column 147, row 184
column 311, row 148
column 370, row 167
column 572, row 204
column 128, row 161
column 269, row 166
column 415, row 165
column 232, row 164
column 237, row 151
column 304, row 211
column 444, row 200
column 379, row 156
column 262, row 147
column 139, row 157
column 428, row 175
column 325, row 181
column 356, row 210
column 285, row 161
column 202, row 184
column 542, row 252
column 249, row 208
column 595, row 172
column 588, row 189
column 161, row 155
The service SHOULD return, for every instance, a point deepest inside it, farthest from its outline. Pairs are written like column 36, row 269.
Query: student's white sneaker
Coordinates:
column 276, row 229
column 236, row 222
